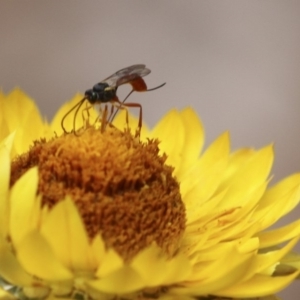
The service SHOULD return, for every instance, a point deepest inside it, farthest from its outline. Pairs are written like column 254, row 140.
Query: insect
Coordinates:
column 106, row 92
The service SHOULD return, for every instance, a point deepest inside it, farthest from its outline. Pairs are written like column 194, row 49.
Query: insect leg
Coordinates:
column 112, row 109
column 134, row 89
column 120, row 105
column 103, row 119
column 139, row 106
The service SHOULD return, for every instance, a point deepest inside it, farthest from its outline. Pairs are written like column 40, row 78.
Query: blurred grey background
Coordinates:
column 236, row 62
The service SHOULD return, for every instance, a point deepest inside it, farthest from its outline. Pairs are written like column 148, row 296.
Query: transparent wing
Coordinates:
column 126, row 75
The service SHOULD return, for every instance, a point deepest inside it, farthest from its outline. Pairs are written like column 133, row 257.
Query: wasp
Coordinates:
column 106, row 92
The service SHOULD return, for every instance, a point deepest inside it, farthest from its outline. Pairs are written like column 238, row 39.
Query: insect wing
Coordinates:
column 126, row 75
column 132, row 69
column 134, row 72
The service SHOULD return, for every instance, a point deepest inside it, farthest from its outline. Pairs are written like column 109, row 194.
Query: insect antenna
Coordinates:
column 77, row 107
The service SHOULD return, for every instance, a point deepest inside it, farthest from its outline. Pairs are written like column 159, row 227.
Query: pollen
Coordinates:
column 122, row 187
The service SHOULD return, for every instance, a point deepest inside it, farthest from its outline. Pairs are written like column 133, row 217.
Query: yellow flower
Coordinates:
column 103, row 215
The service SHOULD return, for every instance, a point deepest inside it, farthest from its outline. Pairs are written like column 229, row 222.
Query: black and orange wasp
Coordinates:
column 106, row 92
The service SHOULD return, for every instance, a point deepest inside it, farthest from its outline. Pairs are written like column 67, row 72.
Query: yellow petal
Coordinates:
column 54, row 297
column 264, row 218
column 236, row 160
column 11, row 270
column 98, row 249
column 38, row 259
column 201, row 214
column 290, row 260
column 164, row 131
column 36, row 292
column 5, row 148
column 70, row 243
column 110, row 263
column 212, row 272
column 17, row 107
column 5, row 295
column 4, row 132
column 203, row 179
column 175, row 297
column 22, row 115
column 122, row 281
column 280, row 235
column 32, row 129
column 275, row 192
column 214, row 253
column 257, row 286
column 215, row 278
column 264, row 261
column 281, row 199
column 23, row 206
column 252, row 175
column 193, row 139
column 8, row 141
column 156, row 269
column 239, row 223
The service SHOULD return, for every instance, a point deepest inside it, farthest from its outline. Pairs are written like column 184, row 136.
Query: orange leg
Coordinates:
column 140, row 115
column 120, row 105
column 112, row 109
column 104, row 118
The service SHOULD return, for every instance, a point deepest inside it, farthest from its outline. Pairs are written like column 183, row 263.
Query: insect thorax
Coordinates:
column 101, row 92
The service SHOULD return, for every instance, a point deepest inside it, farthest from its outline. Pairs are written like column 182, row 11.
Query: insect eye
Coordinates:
column 91, row 96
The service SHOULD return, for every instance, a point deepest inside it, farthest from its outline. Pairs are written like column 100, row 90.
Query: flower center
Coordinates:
column 122, row 187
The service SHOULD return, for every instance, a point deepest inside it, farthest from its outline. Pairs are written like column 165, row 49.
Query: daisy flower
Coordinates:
column 105, row 215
